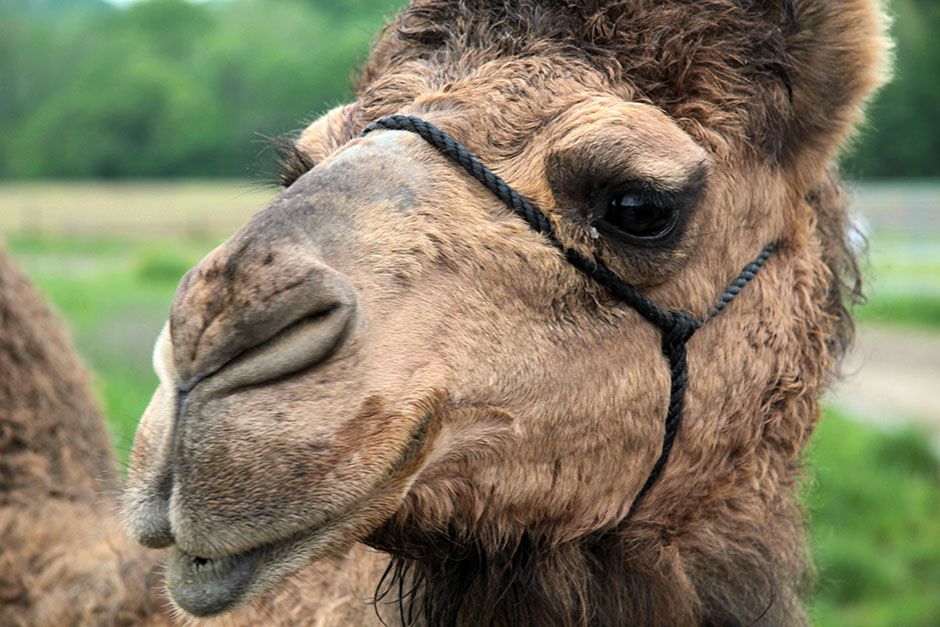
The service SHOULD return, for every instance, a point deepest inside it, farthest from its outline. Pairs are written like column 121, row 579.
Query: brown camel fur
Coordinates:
column 61, row 549
column 385, row 355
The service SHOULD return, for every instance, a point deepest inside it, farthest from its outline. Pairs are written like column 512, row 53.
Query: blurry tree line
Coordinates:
column 173, row 88
column 169, row 87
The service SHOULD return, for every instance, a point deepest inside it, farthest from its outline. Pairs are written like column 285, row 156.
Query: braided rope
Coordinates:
column 676, row 326
column 746, row 276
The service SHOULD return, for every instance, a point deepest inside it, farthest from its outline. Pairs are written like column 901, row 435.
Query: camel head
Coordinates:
column 387, row 354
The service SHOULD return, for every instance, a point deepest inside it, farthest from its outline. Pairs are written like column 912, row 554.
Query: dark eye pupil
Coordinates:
column 632, row 214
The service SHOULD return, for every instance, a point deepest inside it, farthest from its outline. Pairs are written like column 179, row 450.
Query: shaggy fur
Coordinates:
column 487, row 414
column 63, row 558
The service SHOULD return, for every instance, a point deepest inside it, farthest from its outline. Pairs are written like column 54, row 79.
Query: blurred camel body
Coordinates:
column 64, row 558
column 386, row 357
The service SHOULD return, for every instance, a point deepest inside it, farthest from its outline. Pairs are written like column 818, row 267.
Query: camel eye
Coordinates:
column 637, row 215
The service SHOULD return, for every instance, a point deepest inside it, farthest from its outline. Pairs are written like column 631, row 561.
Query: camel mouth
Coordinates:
column 205, row 586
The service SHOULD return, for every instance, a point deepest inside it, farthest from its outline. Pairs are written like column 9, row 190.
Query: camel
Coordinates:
column 388, row 386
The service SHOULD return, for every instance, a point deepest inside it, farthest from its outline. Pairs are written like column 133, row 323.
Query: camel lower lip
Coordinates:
column 204, row 586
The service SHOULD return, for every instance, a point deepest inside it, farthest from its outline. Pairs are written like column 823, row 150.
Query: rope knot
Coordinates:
column 678, row 329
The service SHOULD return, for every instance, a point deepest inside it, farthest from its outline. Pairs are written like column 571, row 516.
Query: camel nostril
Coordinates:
column 307, row 341
column 312, row 317
column 224, row 320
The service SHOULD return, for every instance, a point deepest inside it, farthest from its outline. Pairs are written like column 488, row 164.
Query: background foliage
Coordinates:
column 168, row 88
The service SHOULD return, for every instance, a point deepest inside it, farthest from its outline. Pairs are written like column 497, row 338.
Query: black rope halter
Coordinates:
column 676, row 326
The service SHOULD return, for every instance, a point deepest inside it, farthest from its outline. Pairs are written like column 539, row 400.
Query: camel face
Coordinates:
column 387, row 332
column 387, row 354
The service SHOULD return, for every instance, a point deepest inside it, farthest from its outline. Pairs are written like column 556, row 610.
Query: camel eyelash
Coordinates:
column 292, row 161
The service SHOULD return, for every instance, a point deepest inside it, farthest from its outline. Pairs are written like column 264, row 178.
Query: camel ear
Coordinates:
column 838, row 54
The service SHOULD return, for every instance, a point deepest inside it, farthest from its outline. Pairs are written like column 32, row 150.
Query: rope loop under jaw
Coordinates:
column 677, row 327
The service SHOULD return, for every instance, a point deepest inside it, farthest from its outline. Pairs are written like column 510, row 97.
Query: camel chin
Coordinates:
column 206, row 586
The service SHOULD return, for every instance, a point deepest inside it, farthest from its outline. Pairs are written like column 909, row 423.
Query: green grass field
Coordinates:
column 873, row 495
